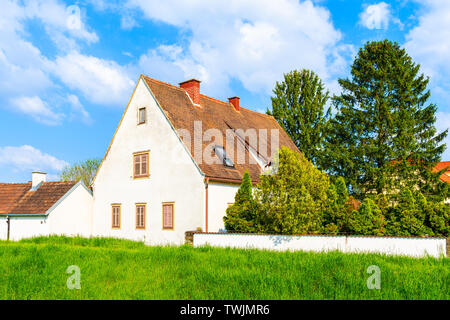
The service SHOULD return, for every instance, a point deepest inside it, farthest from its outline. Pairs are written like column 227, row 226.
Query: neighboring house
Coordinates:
column 445, row 176
column 163, row 174
column 40, row 208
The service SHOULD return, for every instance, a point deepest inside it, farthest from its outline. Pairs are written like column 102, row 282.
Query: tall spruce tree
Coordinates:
column 242, row 215
column 298, row 105
column 383, row 137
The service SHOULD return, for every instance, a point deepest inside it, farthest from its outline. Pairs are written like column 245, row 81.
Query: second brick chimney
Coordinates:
column 235, row 102
column 192, row 87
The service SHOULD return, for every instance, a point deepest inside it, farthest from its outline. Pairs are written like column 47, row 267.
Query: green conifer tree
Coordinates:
column 383, row 137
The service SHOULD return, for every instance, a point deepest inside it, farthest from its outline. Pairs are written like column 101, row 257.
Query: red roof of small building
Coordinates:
column 18, row 198
column 445, row 177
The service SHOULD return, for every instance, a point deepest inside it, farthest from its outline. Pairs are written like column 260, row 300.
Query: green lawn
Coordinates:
column 118, row 269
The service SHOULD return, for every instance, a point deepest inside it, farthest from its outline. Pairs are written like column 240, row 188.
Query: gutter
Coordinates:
column 206, row 205
column 8, row 222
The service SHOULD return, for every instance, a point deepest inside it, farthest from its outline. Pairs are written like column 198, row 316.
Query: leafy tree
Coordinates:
column 84, row 171
column 337, row 215
column 292, row 200
column 369, row 220
column 413, row 215
column 383, row 137
column 298, row 105
column 242, row 215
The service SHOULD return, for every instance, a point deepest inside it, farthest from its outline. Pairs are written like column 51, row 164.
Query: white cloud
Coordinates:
column 26, row 75
column 376, row 16
column 27, row 158
column 429, row 41
column 60, row 21
column 37, row 109
column 253, row 41
column 100, row 81
column 78, row 111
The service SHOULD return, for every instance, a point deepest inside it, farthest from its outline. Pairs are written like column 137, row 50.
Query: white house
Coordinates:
column 40, row 208
column 176, row 161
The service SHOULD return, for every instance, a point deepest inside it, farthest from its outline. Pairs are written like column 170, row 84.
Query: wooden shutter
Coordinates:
column 144, row 161
column 168, row 215
column 140, row 216
column 116, row 216
column 137, row 165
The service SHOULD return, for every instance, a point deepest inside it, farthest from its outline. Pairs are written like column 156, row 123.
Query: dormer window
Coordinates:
column 142, row 116
column 220, row 152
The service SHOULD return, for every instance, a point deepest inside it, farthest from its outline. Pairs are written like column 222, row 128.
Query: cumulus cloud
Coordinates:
column 100, row 81
column 429, row 43
column 27, row 158
column 376, row 16
column 27, row 75
column 253, row 41
column 37, row 109
column 78, row 111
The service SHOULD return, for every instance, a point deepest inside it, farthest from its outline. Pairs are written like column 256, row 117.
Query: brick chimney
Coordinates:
column 192, row 87
column 36, row 178
column 235, row 102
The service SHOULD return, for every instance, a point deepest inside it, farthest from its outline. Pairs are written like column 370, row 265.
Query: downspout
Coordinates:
column 206, row 206
column 8, row 223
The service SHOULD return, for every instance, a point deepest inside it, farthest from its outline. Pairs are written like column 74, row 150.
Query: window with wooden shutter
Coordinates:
column 141, row 165
column 168, row 216
column 140, row 216
column 116, row 208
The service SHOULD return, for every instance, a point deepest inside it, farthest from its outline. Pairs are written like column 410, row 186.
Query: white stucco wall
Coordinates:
column 414, row 247
column 73, row 215
column 24, row 227
column 219, row 196
column 173, row 178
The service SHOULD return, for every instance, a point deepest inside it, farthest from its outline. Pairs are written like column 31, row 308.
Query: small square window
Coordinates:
column 142, row 115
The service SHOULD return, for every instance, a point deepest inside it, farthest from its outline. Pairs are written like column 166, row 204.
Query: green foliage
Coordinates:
column 383, row 137
column 298, row 106
column 413, row 215
column 337, row 214
column 31, row 270
column 242, row 215
column 368, row 220
column 291, row 200
column 84, row 171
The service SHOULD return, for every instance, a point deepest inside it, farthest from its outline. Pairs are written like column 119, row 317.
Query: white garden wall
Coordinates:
column 414, row 247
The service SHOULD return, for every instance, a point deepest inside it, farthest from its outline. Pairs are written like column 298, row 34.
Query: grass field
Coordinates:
column 119, row 269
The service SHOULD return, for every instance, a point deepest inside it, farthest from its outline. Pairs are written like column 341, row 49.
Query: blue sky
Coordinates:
column 68, row 68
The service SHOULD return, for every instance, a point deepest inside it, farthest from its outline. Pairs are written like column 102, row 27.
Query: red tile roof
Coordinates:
column 18, row 198
column 445, row 177
column 216, row 114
